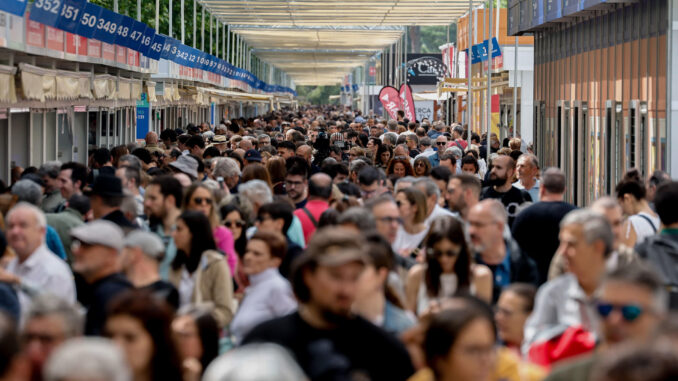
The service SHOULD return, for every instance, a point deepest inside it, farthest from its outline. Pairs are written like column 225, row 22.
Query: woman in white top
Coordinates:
column 642, row 221
column 449, row 269
column 412, row 207
column 269, row 295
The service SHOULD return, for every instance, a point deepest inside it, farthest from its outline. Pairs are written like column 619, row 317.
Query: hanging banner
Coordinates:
column 70, row 15
column 390, row 100
column 448, row 52
column 45, row 12
column 407, row 102
column 15, row 7
column 143, row 115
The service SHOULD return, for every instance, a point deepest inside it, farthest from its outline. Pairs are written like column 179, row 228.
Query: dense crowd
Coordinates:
column 324, row 244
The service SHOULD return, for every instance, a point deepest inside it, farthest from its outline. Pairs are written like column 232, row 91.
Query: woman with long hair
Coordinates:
column 140, row 324
column 413, row 211
column 400, row 166
column 199, row 271
column 199, row 197
column 372, row 147
column 277, row 169
column 196, row 333
column 448, row 270
column 642, row 221
column 382, row 156
column 376, row 300
column 422, row 167
column 256, row 171
column 236, row 221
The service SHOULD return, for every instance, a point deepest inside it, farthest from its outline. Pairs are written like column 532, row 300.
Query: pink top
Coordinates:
column 316, row 207
column 224, row 240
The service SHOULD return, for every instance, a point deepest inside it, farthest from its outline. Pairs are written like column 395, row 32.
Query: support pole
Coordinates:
column 228, row 44
column 469, row 72
column 138, row 10
column 169, row 18
column 515, row 87
column 183, row 23
column 488, row 117
column 211, row 34
column 157, row 16
column 195, row 35
column 202, row 30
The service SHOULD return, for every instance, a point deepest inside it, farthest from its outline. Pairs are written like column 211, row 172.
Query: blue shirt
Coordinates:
column 53, row 243
column 502, row 274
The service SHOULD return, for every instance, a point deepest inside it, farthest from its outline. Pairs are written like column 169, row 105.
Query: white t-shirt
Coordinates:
column 405, row 240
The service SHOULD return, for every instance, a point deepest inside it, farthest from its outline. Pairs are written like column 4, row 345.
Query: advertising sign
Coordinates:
column 390, row 99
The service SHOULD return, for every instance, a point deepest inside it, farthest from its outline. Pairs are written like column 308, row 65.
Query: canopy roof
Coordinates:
column 317, row 42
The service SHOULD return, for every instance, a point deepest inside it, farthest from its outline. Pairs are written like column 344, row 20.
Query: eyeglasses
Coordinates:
column 400, row 158
column 390, row 220
column 441, row 143
column 420, row 164
column 440, row 253
column 232, row 224
column 293, row 183
column 201, row 200
column 629, row 312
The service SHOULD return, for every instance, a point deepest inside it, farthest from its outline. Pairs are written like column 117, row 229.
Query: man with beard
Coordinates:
column 500, row 187
column 463, row 192
column 162, row 205
column 296, row 181
column 486, row 224
column 327, row 340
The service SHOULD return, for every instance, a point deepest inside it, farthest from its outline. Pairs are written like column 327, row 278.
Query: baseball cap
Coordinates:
column 252, row 155
column 99, row 232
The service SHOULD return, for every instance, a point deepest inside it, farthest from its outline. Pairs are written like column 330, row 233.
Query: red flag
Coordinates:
column 407, row 102
column 390, row 100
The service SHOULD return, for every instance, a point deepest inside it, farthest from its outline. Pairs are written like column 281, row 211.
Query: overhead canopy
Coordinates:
column 318, row 42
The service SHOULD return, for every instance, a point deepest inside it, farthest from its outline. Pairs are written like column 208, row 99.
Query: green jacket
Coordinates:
column 51, row 201
column 63, row 223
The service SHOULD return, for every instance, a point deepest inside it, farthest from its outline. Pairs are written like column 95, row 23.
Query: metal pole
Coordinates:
column 169, row 16
column 223, row 42
column 115, row 6
column 228, row 44
column 469, row 71
column 157, row 16
column 211, row 33
column 515, row 86
column 195, row 35
column 183, row 22
column 138, row 10
column 488, row 117
column 216, row 47
column 202, row 30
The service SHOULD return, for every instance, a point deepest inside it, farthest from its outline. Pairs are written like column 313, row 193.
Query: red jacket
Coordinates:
column 316, row 208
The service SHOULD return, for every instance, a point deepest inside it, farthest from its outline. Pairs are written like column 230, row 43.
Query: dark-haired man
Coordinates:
column 106, row 198
column 296, row 181
column 500, row 187
column 536, row 227
column 277, row 217
column 195, row 145
column 662, row 250
column 370, row 182
column 319, row 194
column 72, row 180
column 328, row 341
column 162, row 205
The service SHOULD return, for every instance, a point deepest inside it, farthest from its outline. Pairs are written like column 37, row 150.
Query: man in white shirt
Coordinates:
column 36, row 269
column 432, row 193
column 527, row 169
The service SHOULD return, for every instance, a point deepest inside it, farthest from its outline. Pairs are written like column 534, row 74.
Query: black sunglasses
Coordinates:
column 200, row 200
column 440, row 253
column 231, row 224
column 441, row 143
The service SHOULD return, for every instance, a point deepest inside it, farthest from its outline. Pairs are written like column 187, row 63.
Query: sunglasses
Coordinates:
column 232, row 224
column 441, row 143
column 200, row 200
column 629, row 312
column 440, row 253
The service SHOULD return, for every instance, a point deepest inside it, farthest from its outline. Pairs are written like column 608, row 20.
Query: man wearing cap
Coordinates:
column 105, row 198
column 140, row 260
column 186, row 165
column 35, row 269
column 252, row 156
column 326, row 338
column 96, row 247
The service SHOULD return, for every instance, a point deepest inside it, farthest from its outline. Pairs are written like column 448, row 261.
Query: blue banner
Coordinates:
column 107, row 26
column 15, row 7
column 496, row 49
column 143, row 116
column 479, row 52
column 156, row 47
column 124, row 33
column 88, row 20
column 46, row 12
column 70, row 15
column 146, row 40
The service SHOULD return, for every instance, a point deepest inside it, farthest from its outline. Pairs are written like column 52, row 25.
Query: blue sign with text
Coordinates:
column 70, row 15
column 143, row 116
column 15, row 7
column 107, row 26
column 88, row 20
column 46, row 12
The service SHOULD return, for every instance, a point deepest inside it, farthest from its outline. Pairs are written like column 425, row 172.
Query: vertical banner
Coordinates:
column 448, row 51
column 143, row 116
column 407, row 102
column 390, row 100
column 213, row 111
column 495, row 114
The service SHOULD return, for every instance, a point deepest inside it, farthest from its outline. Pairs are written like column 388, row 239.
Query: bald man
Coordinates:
column 500, row 187
column 152, row 143
column 319, row 194
column 486, row 223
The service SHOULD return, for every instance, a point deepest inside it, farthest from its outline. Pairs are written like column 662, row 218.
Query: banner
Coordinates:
column 143, row 115
column 390, row 99
column 15, row 7
column 407, row 102
column 448, row 51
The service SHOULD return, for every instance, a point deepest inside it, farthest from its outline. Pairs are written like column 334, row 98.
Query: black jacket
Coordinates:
column 523, row 268
column 661, row 251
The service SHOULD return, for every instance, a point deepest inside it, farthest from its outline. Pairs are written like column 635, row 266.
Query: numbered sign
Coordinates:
column 124, row 31
column 155, row 48
column 136, row 34
column 46, row 12
column 15, row 7
column 69, row 17
column 88, row 20
column 107, row 26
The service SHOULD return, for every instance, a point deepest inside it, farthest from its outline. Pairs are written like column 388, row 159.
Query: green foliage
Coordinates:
column 431, row 37
column 317, row 95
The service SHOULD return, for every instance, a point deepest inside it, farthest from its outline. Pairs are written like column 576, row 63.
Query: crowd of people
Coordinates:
column 323, row 244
